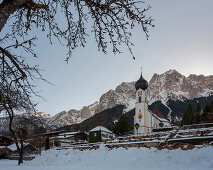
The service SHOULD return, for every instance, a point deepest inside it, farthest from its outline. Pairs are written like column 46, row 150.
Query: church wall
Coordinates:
column 167, row 124
column 141, row 111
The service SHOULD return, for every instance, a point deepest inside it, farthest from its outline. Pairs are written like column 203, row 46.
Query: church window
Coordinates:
column 139, row 99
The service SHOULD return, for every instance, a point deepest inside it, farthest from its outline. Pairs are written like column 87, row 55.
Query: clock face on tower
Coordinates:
column 140, row 93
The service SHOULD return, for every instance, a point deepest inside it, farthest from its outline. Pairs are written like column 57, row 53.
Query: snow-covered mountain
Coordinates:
column 38, row 119
column 175, row 86
column 162, row 87
column 73, row 116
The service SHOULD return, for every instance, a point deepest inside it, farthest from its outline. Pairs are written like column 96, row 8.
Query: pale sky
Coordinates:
column 182, row 39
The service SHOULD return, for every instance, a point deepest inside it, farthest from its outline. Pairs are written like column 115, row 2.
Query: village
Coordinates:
column 151, row 129
column 106, row 85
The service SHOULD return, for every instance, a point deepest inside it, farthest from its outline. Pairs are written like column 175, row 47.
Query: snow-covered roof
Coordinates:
column 161, row 119
column 13, row 146
column 100, row 128
column 5, row 137
column 70, row 133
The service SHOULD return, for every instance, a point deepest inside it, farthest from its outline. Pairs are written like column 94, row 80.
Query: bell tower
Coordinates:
column 141, row 106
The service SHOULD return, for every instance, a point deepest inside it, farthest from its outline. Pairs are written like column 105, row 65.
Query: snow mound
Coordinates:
column 131, row 159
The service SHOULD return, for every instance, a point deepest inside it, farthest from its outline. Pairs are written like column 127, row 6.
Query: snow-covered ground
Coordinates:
column 118, row 159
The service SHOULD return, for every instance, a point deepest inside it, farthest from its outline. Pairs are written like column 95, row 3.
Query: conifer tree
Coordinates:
column 197, row 116
column 188, row 116
column 207, row 109
column 122, row 126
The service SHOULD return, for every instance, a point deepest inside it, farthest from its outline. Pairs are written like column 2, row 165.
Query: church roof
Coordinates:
column 162, row 118
column 141, row 83
column 158, row 113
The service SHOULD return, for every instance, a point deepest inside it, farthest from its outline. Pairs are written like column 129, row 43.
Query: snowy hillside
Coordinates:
column 118, row 159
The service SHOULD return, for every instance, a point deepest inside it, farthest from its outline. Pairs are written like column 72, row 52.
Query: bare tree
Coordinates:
column 16, row 87
column 21, row 127
column 109, row 21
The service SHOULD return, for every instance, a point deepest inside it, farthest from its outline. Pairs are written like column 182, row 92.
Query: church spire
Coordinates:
column 141, row 83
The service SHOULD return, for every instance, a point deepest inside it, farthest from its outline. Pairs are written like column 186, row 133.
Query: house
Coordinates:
column 4, row 151
column 29, row 150
column 5, row 141
column 67, row 138
column 100, row 134
column 11, row 151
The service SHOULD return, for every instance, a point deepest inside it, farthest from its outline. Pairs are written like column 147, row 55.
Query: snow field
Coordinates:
column 118, row 159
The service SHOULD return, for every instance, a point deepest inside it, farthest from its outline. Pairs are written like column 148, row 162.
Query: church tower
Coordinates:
column 141, row 107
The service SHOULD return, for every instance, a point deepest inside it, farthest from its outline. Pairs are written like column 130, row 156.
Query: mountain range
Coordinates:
column 169, row 86
column 164, row 91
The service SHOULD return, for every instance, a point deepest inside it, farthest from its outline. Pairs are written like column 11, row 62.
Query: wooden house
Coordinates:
column 5, row 141
column 100, row 134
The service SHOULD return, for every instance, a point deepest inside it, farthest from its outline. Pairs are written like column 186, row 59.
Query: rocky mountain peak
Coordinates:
column 162, row 87
column 40, row 114
column 173, row 85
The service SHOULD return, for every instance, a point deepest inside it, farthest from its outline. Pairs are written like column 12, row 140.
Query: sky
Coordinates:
column 182, row 39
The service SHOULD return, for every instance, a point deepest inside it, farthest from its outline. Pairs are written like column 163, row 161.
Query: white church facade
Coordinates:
column 145, row 120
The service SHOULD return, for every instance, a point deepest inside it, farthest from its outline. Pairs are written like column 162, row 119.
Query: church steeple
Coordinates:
column 141, row 83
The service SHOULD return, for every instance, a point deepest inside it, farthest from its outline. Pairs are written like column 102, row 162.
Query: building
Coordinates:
column 67, row 138
column 100, row 134
column 63, row 137
column 5, row 141
column 29, row 151
column 145, row 120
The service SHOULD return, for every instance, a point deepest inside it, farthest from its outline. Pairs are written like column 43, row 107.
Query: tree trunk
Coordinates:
column 21, row 154
column 8, row 7
column 13, row 134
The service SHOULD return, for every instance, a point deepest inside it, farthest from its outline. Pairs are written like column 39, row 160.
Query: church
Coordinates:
column 145, row 120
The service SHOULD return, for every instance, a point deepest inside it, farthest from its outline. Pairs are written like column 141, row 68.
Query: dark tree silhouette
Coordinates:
column 197, row 116
column 188, row 115
column 123, row 126
column 110, row 22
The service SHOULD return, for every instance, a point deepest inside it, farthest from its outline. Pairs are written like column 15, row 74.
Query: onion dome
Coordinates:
column 141, row 83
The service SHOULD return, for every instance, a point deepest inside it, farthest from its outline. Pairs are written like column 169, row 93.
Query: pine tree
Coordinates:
column 188, row 116
column 123, row 126
column 207, row 109
column 211, row 105
column 185, row 119
column 197, row 116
